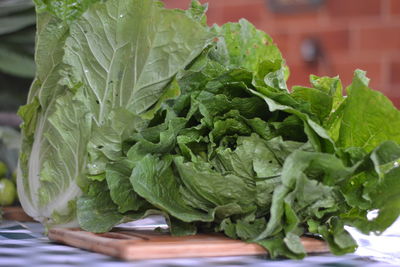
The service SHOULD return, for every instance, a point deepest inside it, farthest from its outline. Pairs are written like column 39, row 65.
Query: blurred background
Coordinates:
column 322, row 37
column 17, row 68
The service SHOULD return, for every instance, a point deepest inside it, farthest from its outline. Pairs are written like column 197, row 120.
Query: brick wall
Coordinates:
column 352, row 34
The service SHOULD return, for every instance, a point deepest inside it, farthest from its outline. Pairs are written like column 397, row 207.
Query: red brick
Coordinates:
column 395, row 7
column 353, row 8
column 300, row 74
column 282, row 41
column 395, row 72
column 182, row 4
column 396, row 101
column 392, row 90
column 345, row 69
column 331, row 41
column 252, row 11
column 233, row 2
column 295, row 22
column 380, row 38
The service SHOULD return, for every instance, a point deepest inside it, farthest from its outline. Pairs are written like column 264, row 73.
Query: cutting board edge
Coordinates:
column 131, row 250
column 91, row 241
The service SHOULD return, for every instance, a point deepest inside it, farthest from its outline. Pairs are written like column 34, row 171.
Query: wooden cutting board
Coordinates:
column 148, row 244
column 16, row 213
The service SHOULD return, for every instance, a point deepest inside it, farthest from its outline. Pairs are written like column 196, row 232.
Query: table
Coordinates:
column 24, row 244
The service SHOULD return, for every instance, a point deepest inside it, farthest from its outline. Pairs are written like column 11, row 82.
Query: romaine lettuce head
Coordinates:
column 237, row 153
column 140, row 110
column 97, row 75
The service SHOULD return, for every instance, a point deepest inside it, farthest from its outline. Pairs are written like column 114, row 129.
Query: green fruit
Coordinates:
column 14, row 176
column 8, row 192
column 3, row 169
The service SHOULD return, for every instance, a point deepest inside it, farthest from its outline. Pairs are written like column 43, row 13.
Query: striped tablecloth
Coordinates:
column 24, row 244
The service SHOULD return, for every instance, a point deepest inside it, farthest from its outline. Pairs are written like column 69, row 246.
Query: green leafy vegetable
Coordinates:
column 66, row 10
column 143, row 110
column 95, row 77
column 381, row 120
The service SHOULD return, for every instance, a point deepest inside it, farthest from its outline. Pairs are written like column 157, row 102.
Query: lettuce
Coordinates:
column 96, row 76
column 142, row 110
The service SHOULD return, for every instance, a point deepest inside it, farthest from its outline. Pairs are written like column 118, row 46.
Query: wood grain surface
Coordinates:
column 147, row 244
column 16, row 213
